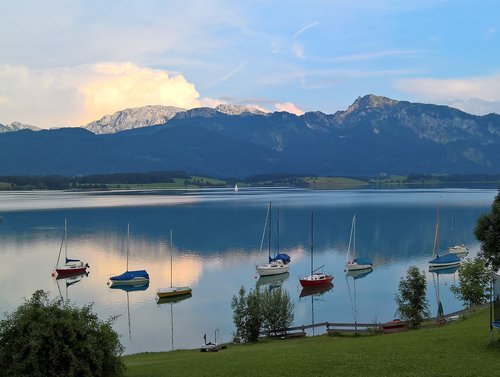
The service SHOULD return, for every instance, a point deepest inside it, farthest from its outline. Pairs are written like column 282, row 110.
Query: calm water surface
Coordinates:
column 216, row 241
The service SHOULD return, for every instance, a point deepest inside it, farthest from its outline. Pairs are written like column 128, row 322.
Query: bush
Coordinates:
column 247, row 315
column 411, row 301
column 487, row 232
column 277, row 311
column 44, row 338
column 473, row 282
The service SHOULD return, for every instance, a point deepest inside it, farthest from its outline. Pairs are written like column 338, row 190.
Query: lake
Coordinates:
column 216, row 240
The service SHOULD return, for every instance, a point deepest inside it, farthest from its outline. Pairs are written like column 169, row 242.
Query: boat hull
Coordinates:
column 70, row 271
column 134, row 281
column 436, row 266
column 173, row 292
column 316, row 280
column 272, row 269
column 357, row 267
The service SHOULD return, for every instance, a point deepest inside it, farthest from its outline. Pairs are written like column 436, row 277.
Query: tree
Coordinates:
column 487, row 232
column 473, row 282
column 247, row 315
column 45, row 337
column 412, row 304
column 277, row 311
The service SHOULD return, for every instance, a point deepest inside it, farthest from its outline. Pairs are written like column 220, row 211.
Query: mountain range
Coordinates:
column 375, row 135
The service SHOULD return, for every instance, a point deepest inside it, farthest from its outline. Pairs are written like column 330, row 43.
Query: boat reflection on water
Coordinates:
column 68, row 281
column 315, row 291
column 273, row 281
column 435, row 279
column 359, row 274
column 128, row 289
column 316, row 294
column 355, row 275
column 131, row 287
column 172, row 300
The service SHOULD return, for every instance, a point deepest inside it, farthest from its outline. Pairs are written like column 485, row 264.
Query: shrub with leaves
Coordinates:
column 474, row 280
column 277, row 311
column 411, row 299
column 247, row 315
column 44, row 337
column 487, row 232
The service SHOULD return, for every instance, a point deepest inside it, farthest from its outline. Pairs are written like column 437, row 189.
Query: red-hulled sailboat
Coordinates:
column 71, row 266
column 315, row 278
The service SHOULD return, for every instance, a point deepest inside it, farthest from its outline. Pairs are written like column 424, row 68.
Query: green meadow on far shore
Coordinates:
column 460, row 348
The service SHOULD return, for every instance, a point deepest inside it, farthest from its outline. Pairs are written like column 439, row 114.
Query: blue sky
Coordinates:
column 71, row 62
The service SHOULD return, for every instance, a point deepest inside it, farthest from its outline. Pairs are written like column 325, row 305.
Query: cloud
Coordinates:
column 227, row 76
column 307, row 27
column 298, row 50
column 77, row 95
column 476, row 95
column 289, row 108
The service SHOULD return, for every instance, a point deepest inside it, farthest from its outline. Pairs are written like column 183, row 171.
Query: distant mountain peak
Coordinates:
column 135, row 117
column 16, row 126
column 373, row 101
column 238, row 109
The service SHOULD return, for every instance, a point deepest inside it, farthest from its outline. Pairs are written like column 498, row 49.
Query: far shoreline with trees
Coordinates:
column 182, row 180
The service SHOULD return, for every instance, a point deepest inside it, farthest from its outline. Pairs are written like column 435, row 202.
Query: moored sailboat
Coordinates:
column 275, row 266
column 445, row 260
column 172, row 291
column 138, row 277
column 352, row 263
column 315, row 278
column 71, row 266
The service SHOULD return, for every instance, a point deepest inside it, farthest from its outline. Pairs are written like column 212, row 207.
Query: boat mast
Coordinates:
column 278, row 232
column 270, row 226
column 171, row 252
column 436, row 237
column 65, row 242
column 128, row 241
column 312, row 240
column 354, row 235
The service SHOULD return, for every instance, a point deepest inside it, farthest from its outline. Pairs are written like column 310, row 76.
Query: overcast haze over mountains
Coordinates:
column 375, row 135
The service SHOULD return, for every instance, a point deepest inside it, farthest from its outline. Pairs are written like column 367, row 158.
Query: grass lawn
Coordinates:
column 461, row 348
column 325, row 183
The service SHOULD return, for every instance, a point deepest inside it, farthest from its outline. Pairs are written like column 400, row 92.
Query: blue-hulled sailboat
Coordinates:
column 137, row 277
column 445, row 260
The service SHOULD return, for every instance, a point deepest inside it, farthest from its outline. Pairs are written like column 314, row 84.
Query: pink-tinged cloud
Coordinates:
column 289, row 108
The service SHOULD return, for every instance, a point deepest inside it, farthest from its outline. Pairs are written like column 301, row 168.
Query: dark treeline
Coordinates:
column 98, row 181
column 453, row 178
column 278, row 178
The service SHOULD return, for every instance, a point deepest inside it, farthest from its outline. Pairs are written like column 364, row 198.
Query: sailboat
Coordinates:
column 445, row 260
column 460, row 250
column 352, row 263
column 275, row 266
column 315, row 278
column 70, row 266
column 236, row 189
column 172, row 291
column 137, row 277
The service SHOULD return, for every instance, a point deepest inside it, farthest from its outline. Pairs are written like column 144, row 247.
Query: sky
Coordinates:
column 67, row 63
